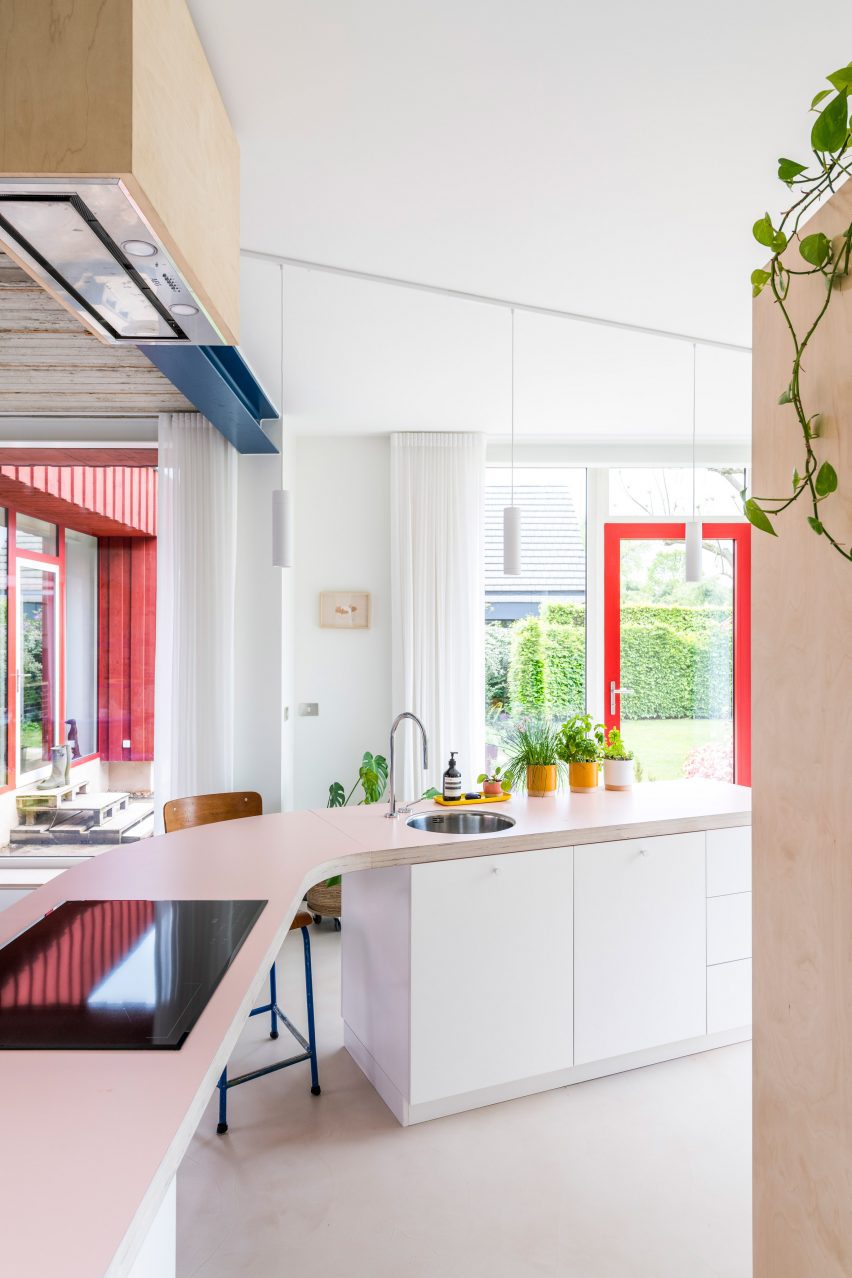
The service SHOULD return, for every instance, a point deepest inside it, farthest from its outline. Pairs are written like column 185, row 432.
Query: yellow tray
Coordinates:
column 469, row 803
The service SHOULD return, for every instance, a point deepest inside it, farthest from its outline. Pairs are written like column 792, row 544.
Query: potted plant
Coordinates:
column 326, row 899
column 580, row 745
column 618, row 762
column 494, row 783
column 534, row 762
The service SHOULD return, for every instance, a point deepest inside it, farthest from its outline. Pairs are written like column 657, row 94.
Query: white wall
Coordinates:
column 342, row 519
column 258, row 642
column 258, row 635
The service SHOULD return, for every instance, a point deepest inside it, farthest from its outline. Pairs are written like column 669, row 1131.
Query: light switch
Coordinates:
column 309, row 709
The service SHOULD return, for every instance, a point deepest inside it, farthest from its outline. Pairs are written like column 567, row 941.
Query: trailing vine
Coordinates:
column 831, row 141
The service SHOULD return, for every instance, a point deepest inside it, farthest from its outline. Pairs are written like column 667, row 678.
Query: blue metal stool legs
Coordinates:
column 309, row 995
column 273, row 1002
column 309, row 1046
column 223, row 1101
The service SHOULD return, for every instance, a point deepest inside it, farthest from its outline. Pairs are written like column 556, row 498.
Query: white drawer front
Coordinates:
column 729, row 928
column 729, row 861
column 729, row 996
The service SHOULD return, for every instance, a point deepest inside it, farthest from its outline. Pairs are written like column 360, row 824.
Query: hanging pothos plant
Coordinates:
column 831, row 140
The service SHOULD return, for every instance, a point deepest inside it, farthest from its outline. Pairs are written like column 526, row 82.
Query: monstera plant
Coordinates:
column 372, row 779
column 813, row 479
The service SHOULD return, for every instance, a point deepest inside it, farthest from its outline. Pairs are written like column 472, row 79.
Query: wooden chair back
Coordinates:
column 204, row 809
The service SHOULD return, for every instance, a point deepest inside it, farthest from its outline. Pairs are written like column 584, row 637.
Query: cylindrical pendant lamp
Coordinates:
column 282, row 529
column 512, row 541
column 694, row 549
column 694, row 530
column 512, row 513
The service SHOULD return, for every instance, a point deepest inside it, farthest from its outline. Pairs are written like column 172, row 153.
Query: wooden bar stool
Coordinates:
column 204, row 809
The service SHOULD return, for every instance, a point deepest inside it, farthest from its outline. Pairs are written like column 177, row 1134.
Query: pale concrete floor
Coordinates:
column 643, row 1175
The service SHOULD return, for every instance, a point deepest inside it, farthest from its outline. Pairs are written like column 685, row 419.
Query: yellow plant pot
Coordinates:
column 541, row 780
column 582, row 777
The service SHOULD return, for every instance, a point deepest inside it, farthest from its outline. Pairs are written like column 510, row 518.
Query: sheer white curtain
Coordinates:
column 437, row 494
column 196, row 580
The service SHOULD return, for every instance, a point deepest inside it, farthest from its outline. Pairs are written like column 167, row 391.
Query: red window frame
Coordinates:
column 53, row 561
column 740, row 534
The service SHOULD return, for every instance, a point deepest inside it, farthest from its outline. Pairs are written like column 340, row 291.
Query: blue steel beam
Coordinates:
column 219, row 382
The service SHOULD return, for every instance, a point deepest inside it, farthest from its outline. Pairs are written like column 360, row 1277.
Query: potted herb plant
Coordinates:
column 326, row 899
column 580, row 745
column 534, row 762
column 618, row 762
column 494, row 783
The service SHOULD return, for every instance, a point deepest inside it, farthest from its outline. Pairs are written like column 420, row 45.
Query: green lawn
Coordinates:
column 661, row 745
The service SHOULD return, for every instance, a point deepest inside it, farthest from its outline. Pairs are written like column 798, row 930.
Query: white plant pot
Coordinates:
column 618, row 774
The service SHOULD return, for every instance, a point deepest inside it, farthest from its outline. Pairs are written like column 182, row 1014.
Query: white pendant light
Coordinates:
column 694, row 530
column 512, row 513
column 282, row 529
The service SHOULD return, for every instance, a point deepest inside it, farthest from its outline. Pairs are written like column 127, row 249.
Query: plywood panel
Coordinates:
column 186, row 161
column 50, row 364
column 802, row 823
column 123, row 88
column 65, row 91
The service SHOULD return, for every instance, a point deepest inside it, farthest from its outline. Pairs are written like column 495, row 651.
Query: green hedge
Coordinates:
column 526, row 667
column 676, row 661
column 498, row 639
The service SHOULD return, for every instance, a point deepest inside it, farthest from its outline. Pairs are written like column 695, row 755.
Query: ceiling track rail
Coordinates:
column 484, row 299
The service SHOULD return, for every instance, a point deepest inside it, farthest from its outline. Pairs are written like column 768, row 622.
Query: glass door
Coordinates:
column 37, row 664
column 677, row 654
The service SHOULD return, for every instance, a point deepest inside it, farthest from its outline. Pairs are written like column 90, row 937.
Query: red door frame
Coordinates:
column 740, row 534
column 51, row 561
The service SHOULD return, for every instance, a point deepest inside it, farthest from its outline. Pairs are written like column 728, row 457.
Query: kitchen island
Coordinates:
column 100, row 1135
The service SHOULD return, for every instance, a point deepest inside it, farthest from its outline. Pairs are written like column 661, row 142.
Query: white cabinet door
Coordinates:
column 640, row 945
column 491, row 956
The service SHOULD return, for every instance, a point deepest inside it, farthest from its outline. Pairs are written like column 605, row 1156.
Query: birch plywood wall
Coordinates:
column 802, row 716
column 122, row 88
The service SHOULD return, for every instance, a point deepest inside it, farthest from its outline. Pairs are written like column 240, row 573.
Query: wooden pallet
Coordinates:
column 31, row 802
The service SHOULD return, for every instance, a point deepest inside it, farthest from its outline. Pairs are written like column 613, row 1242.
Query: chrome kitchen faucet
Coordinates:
column 393, row 810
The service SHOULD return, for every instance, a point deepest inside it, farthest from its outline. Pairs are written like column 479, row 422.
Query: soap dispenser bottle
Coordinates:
column 452, row 781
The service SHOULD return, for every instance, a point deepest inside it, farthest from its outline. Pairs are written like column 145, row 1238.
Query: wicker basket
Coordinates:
column 325, row 902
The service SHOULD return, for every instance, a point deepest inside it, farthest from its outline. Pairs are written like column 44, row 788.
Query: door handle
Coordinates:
column 616, row 692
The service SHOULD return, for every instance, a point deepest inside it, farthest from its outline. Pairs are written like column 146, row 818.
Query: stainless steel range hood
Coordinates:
column 87, row 243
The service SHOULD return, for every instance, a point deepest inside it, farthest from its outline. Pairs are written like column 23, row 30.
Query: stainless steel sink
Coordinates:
column 461, row 822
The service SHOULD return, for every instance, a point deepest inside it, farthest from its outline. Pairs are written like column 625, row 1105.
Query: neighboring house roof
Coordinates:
column 553, row 559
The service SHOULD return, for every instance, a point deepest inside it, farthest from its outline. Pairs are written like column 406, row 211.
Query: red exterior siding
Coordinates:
column 105, row 501
column 127, row 630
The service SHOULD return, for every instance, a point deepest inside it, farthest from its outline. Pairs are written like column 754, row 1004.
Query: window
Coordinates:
column 35, row 536
column 535, row 624
column 38, row 653
column 636, row 491
column 81, row 642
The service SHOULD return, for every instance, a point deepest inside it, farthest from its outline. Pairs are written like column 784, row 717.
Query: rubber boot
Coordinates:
column 67, row 749
column 57, row 774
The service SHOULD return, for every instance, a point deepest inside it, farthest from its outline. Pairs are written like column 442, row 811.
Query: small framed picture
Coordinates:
column 345, row 609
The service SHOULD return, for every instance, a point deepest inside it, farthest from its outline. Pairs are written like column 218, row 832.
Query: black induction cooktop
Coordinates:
column 118, row 974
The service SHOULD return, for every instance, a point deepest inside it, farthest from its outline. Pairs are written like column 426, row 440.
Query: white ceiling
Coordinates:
column 602, row 159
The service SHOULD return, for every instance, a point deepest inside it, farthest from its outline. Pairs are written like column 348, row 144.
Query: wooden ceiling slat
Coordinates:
column 49, row 361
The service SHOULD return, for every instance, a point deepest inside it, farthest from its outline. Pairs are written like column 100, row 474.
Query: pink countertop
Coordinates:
column 91, row 1140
